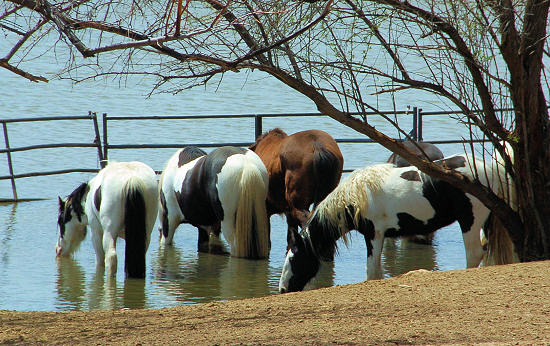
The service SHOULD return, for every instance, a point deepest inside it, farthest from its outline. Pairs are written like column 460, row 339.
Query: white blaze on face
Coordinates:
column 286, row 273
column 75, row 232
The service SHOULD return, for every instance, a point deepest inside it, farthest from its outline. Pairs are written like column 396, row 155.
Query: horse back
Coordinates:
column 198, row 197
column 422, row 204
column 313, row 158
column 425, row 150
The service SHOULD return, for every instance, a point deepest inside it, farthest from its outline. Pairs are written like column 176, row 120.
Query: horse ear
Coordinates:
column 294, row 239
column 61, row 204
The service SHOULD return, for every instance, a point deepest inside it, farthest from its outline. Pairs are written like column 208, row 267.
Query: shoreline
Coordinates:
column 496, row 304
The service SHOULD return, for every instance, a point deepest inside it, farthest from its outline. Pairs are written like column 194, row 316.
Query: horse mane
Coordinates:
column 75, row 199
column 278, row 132
column 344, row 208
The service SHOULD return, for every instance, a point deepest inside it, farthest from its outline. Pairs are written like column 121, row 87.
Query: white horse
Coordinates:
column 386, row 201
column 120, row 201
column 223, row 191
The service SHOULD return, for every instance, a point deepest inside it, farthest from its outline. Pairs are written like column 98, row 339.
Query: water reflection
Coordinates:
column 70, row 284
column 242, row 278
column 133, row 294
column 188, row 279
column 401, row 256
column 101, row 293
column 324, row 278
column 8, row 234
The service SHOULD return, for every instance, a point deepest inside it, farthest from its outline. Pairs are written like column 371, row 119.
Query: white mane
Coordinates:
column 354, row 191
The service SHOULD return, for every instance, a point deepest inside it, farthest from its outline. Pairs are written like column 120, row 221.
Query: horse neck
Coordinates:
column 323, row 234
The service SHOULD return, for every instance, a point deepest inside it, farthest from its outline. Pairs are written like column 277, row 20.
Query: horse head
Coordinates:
column 301, row 263
column 71, row 221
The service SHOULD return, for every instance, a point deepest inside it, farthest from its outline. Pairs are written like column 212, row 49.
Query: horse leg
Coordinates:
column 216, row 245
column 169, row 223
column 204, row 239
column 109, row 247
column 472, row 242
column 97, row 242
column 170, row 217
column 294, row 220
column 374, row 255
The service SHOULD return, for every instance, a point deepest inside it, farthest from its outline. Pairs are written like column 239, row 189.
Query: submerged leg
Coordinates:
column 109, row 247
column 169, row 223
column 97, row 242
column 170, row 217
column 374, row 255
column 215, row 244
column 204, row 238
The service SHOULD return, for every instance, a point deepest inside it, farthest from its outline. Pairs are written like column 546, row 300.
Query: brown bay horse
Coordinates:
column 303, row 169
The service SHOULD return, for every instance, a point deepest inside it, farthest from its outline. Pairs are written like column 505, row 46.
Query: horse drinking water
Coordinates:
column 303, row 169
column 120, row 201
column 223, row 190
column 386, row 201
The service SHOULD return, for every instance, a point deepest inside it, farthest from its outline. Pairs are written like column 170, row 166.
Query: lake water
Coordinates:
column 31, row 278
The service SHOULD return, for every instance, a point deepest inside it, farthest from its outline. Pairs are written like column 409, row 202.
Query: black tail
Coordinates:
column 327, row 171
column 134, row 229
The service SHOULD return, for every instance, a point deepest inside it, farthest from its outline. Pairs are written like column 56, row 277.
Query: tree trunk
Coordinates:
column 532, row 165
column 531, row 144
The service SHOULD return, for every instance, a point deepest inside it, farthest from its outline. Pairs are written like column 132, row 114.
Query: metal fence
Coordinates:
column 415, row 133
column 8, row 150
column 103, row 145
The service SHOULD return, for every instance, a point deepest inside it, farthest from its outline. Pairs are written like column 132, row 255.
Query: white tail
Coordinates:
column 251, row 222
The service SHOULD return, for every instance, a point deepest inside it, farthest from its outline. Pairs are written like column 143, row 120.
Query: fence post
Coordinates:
column 10, row 165
column 414, row 131
column 97, row 140
column 257, row 126
column 419, row 128
column 105, row 144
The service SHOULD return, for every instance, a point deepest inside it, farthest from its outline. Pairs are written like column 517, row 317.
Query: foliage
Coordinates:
column 347, row 56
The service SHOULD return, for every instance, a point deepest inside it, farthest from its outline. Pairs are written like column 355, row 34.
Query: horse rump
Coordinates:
column 327, row 171
column 135, row 231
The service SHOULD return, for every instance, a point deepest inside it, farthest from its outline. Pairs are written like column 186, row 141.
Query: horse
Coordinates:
column 120, row 201
column 496, row 240
column 427, row 151
column 387, row 201
column 222, row 191
column 303, row 169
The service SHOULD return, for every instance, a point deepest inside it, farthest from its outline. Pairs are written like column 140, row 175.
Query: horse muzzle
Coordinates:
column 59, row 251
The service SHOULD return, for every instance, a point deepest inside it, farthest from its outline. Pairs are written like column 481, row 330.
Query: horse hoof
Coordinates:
column 203, row 247
column 218, row 250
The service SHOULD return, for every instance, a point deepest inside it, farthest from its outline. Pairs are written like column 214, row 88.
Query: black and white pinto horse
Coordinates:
column 386, row 201
column 427, row 151
column 120, row 201
column 224, row 190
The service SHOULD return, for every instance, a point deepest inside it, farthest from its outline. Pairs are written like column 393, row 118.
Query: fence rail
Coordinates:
column 103, row 145
column 8, row 150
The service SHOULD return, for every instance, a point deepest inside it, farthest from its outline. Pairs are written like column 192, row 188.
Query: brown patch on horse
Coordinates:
column 411, row 175
column 453, row 162
column 97, row 198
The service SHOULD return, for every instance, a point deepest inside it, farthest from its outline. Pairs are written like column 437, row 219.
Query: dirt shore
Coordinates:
column 501, row 304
